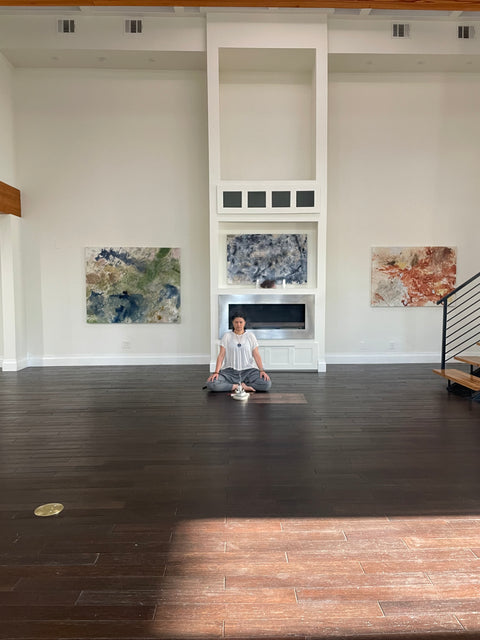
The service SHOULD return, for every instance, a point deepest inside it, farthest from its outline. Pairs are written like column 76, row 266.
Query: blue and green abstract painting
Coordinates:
column 133, row 284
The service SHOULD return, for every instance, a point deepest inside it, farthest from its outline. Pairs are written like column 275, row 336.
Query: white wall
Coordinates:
column 111, row 158
column 1, row 312
column 404, row 153
column 266, row 126
column 14, row 328
column 7, row 164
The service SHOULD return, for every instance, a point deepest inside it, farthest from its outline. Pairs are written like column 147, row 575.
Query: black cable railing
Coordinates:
column 461, row 318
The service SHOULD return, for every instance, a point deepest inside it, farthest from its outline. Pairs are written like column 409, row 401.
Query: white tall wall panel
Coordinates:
column 403, row 153
column 7, row 152
column 111, row 158
column 1, row 314
column 267, row 130
column 7, row 161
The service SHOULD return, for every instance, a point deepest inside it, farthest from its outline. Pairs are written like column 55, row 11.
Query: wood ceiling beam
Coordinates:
column 421, row 5
column 10, row 200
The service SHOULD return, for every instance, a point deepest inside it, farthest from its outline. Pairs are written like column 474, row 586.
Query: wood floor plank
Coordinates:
column 331, row 627
column 190, row 595
column 77, row 630
column 48, row 559
column 391, row 593
column 442, row 541
column 79, row 612
column 37, row 597
column 329, row 609
column 431, row 605
column 421, row 564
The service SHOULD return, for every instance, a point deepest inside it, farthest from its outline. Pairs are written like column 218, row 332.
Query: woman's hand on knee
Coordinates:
column 213, row 377
column 264, row 375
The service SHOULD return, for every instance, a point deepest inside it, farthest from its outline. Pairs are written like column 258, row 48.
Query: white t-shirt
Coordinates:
column 238, row 350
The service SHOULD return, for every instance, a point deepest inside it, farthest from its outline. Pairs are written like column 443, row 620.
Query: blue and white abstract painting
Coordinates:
column 267, row 256
column 133, row 284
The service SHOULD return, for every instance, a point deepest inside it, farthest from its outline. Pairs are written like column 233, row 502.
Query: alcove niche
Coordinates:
column 267, row 114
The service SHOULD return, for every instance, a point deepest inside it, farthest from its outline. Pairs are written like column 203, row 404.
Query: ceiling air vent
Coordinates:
column 133, row 26
column 465, row 32
column 400, row 30
column 66, row 26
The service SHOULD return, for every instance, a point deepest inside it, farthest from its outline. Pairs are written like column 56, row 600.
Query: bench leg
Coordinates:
column 459, row 390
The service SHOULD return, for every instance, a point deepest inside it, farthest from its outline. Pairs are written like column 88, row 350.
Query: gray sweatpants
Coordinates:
column 228, row 377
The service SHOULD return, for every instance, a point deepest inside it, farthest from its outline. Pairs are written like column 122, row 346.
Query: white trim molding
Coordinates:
column 383, row 358
column 11, row 364
column 94, row 360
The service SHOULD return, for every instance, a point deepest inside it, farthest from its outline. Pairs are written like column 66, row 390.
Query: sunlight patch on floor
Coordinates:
column 320, row 577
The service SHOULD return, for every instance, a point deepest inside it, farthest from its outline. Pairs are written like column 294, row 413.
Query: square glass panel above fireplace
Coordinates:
column 280, row 198
column 257, row 199
column 232, row 199
column 305, row 198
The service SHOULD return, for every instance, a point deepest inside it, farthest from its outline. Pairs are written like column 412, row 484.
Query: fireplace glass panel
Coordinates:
column 270, row 316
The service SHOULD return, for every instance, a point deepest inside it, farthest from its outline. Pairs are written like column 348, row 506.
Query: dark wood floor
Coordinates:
column 348, row 505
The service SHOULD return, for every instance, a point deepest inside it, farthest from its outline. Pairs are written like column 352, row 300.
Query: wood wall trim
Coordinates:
column 10, row 200
column 421, row 5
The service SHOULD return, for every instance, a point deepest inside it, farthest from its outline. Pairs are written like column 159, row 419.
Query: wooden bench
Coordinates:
column 460, row 377
column 472, row 360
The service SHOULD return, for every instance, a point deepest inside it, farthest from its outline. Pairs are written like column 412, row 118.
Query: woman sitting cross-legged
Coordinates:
column 239, row 362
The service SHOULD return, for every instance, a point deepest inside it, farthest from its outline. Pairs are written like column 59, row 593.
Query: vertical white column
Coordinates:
column 248, row 32
column 213, row 178
column 14, row 342
column 11, row 304
column 321, row 130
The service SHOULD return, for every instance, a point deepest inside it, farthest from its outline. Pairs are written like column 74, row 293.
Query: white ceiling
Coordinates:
column 78, row 59
column 231, row 59
column 295, row 60
column 190, row 11
column 383, row 63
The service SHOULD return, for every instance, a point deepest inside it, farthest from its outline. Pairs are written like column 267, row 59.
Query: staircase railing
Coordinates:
column 461, row 318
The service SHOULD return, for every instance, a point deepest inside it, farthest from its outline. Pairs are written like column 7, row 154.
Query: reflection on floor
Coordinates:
column 278, row 398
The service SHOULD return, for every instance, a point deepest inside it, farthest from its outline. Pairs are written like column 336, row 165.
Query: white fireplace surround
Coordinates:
column 224, row 301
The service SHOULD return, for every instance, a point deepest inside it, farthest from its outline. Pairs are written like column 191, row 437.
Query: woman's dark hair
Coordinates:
column 267, row 284
column 237, row 315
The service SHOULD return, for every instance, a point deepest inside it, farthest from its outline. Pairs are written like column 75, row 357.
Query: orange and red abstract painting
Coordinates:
column 412, row 276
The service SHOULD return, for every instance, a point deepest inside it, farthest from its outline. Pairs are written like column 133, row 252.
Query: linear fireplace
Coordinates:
column 270, row 316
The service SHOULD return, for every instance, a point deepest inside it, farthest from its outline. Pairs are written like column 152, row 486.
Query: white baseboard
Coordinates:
column 12, row 364
column 383, row 358
column 92, row 360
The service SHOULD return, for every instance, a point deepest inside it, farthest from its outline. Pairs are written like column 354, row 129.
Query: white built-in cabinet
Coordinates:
column 267, row 105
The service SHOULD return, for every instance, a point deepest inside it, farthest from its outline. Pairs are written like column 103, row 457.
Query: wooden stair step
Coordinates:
column 473, row 360
column 455, row 375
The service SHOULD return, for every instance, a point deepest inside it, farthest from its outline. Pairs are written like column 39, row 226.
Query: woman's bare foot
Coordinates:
column 247, row 388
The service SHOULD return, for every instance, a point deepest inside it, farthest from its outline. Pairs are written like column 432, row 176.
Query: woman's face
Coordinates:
column 238, row 325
